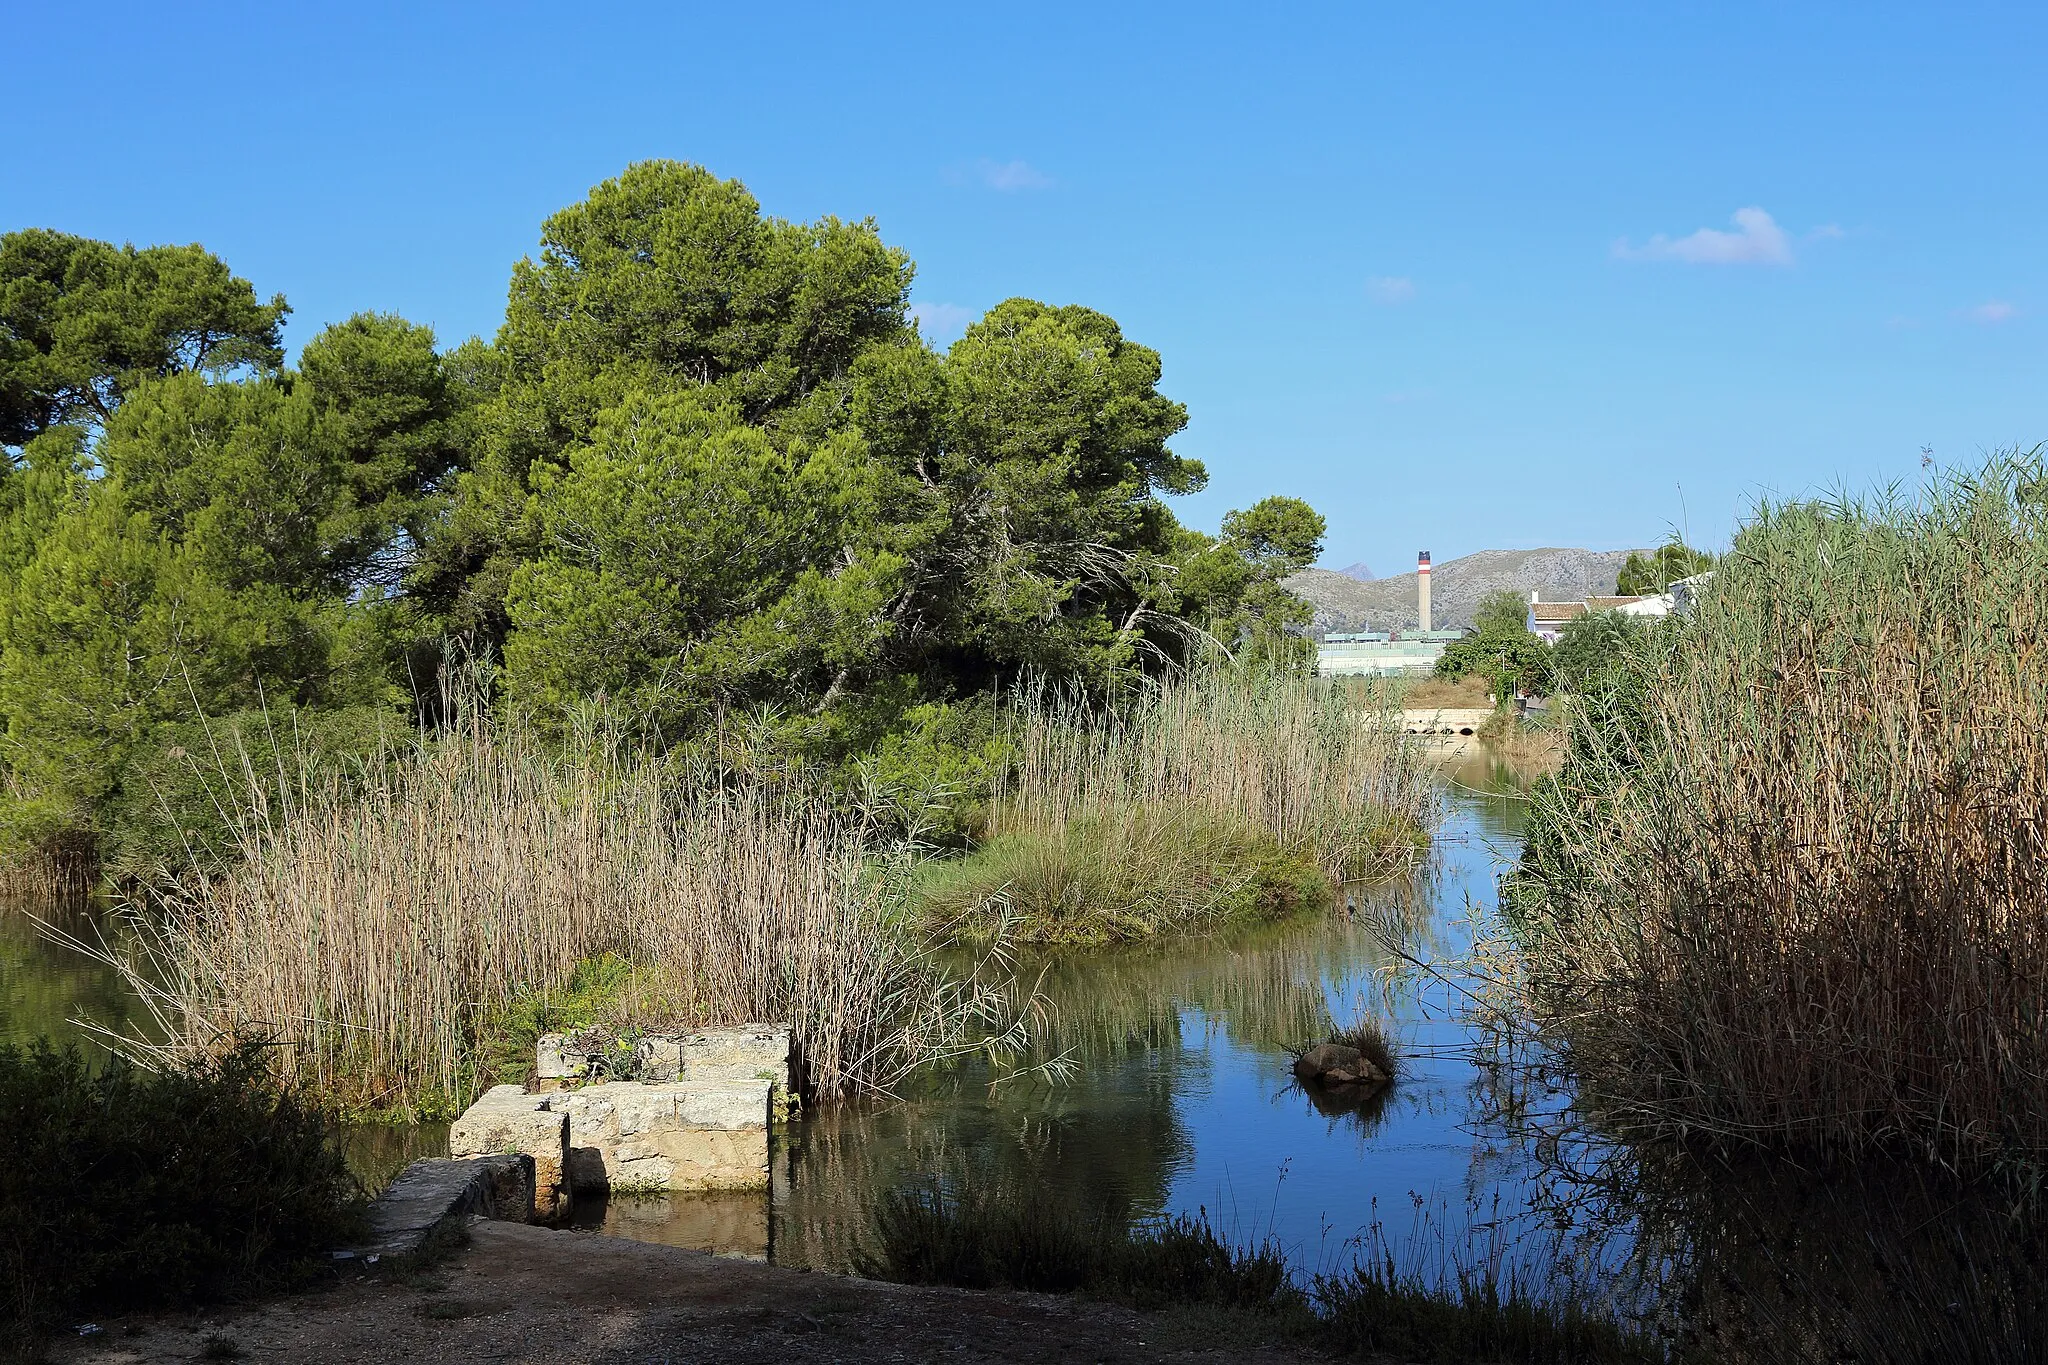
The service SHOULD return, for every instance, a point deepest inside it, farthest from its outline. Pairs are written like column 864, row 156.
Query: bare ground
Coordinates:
column 527, row 1294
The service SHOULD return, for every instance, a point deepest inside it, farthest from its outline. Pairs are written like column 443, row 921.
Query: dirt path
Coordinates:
column 526, row 1294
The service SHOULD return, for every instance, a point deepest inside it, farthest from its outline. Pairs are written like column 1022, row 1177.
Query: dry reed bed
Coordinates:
column 1792, row 885
column 379, row 935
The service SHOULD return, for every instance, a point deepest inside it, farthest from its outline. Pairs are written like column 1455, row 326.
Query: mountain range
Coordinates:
column 1343, row 603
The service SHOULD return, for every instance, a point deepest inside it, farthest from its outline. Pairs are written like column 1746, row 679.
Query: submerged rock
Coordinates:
column 1336, row 1064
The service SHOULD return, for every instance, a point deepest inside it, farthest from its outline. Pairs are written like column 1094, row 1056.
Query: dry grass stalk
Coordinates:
column 1792, row 886
column 1282, row 751
column 380, row 934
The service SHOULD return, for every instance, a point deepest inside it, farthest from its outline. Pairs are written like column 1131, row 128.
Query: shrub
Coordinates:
column 127, row 1188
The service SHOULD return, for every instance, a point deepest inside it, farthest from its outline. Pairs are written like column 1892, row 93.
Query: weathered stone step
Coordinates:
column 441, row 1192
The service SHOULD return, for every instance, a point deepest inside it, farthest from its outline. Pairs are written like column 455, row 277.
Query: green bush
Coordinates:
column 127, row 1188
column 932, row 774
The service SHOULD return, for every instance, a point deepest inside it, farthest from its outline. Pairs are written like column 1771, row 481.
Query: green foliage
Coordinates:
column 1668, row 563
column 190, row 786
column 881, row 512
column 592, row 997
column 84, row 323
column 225, row 545
column 1501, row 613
column 1122, row 875
column 707, row 468
column 933, row 772
column 1591, row 650
column 134, row 1189
column 1512, row 658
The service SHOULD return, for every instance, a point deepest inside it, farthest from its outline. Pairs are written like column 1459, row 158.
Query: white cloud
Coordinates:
column 1826, row 232
column 1008, row 177
column 1390, row 289
column 937, row 320
column 1757, row 240
column 1990, row 313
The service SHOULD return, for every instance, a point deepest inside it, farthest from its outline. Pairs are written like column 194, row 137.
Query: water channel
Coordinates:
column 1170, row 1092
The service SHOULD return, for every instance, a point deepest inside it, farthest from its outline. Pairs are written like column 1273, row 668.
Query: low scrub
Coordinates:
column 1789, row 887
column 126, row 1188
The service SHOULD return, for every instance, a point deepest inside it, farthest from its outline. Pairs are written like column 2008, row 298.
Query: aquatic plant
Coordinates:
column 994, row 1237
column 1791, row 886
column 999, row 1236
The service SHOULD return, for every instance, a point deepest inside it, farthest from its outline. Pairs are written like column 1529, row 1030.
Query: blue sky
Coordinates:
column 1463, row 276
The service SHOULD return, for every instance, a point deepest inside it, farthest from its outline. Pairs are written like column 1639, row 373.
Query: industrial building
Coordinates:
column 1379, row 653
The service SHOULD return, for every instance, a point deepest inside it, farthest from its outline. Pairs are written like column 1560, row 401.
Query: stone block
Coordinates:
column 659, row 1058
column 508, row 1120
column 745, row 1052
column 552, row 1060
column 732, row 1105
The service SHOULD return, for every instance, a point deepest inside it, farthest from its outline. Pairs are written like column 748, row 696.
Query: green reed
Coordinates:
column 1791, row 887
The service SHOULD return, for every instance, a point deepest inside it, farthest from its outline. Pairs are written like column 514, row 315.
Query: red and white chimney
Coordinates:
column 1422, row 587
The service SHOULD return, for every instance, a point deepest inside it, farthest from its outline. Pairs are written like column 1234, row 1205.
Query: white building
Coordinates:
column 1548, row 619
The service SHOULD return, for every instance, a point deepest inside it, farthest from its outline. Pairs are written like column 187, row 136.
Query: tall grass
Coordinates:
column 381, row 932
column 1277, row 748
column 1222, row 793
column 1791, row 887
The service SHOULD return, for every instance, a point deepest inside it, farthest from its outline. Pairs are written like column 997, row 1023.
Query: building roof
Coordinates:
column 1555, row 613
column 1609, row 603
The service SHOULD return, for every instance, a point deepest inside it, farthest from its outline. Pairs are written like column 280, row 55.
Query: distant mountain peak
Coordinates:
column 1360, row 571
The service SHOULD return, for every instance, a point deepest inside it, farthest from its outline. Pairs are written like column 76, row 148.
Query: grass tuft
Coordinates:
column 1369, row 1037
column 1224, row 793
